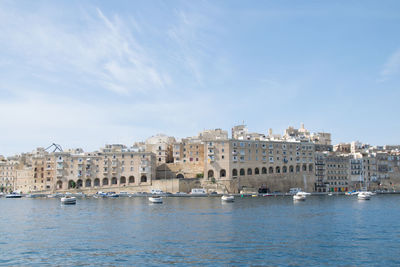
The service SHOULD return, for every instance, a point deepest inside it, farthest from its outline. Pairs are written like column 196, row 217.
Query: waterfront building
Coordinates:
column 161, row 145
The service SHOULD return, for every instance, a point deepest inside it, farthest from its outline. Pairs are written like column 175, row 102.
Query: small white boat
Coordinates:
column 228, row 198
column 300, row 196
column 156, row 199
column 14, row 195
column 364, row 195
column 68, row 200
column 330, row 194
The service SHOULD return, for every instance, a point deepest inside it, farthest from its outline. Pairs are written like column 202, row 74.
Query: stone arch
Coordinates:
column 96, row 182
column 210, row 174
column 234, row 173
column 180, row 176
column 284, row 169
column 256, row 171
column 114, row 181
column 304, row 167
column 105, row 181
column 310, row 167
column 297, row 168
column 131, row 179
column 143, row 179
column 242, row 172
column 79, row 183
column 291, row 168
column 88, row 183
column 278, row 169
column 271, row 170
column 59, row 184
column 249, row 171
column 71, row 184
column 122, row 180
column 264, row 170
column 222, row 173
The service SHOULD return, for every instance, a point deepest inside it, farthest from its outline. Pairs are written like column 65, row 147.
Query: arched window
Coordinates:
column 256, row 171
column 143, row 179
column 122, row 180
column 131, row 179
column 71, row 184
column 96, row 182
column 180, row 176
column 271, row 170
column 59, row 184
column 88, row 183
column 242, row 172
column 114, row 181
column 264, row 170
column 249, row 171
column 278, row 169
column 291, row 168
column 210, row 174
column 222, row 173
column 304, row 167
column 234, row 172
column 284, row 169
column 79, row 183
column 310, row 167
column 105, row 181
column 297, row 168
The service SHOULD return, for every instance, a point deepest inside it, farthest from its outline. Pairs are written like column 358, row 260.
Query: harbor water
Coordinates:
column 266, row 231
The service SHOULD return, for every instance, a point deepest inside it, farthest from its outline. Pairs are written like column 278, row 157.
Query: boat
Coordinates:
column 14, row 195
column 156, row 199
column 365, row 195
column 112, row 194
column 300, row 196
column 330, row 194
column 198, row 192
column 227, row 198
column 68, row 200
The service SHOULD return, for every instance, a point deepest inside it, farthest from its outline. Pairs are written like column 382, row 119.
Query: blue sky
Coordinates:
column 86, row 73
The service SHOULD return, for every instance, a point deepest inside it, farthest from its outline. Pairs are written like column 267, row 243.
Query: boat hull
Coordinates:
column 156, row 200
column 68, row 201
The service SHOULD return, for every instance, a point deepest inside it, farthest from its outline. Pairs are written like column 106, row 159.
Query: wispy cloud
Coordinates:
column 391, row 67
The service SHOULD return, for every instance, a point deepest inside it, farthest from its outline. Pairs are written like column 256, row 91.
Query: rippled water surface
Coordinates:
column 322, row 231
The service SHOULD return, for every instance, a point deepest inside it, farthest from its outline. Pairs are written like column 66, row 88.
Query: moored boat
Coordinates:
column 300, row 196
column 227, row 198
column 68, row 200
column 156, row 199
column 364, row 195
column 14, row 195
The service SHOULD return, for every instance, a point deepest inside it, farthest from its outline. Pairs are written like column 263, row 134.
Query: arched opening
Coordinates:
column 180, row 176
column 143, row 179
column 310, row 167
column 291, row 169
column 264, row 170
column 131, row 179
column 271, row 170
column 234, row 172
column 242, row 172
column 71, row 184
column 105, row 181
column 59, row 184
column 122, row 180
column 88, row 183
column 297, row 168
column 96, row 182
column 256, row 171
column 304, row 167
column 222, row 173
column 249, row 171
column 278, row 169
column 114, row 181
column 79, row 183
column 210, row 174
column 284, row 169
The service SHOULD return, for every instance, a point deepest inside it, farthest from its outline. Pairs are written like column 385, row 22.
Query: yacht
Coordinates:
column 365, row 195
column 198, row 192
column 68, row 200
column 14, row 195
column 227, row 198
column 156, row 199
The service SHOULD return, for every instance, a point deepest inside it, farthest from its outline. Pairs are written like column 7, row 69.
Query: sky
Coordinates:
column 88, row 73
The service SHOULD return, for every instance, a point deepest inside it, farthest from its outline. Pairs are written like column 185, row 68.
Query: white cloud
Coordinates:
column 391, row 67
